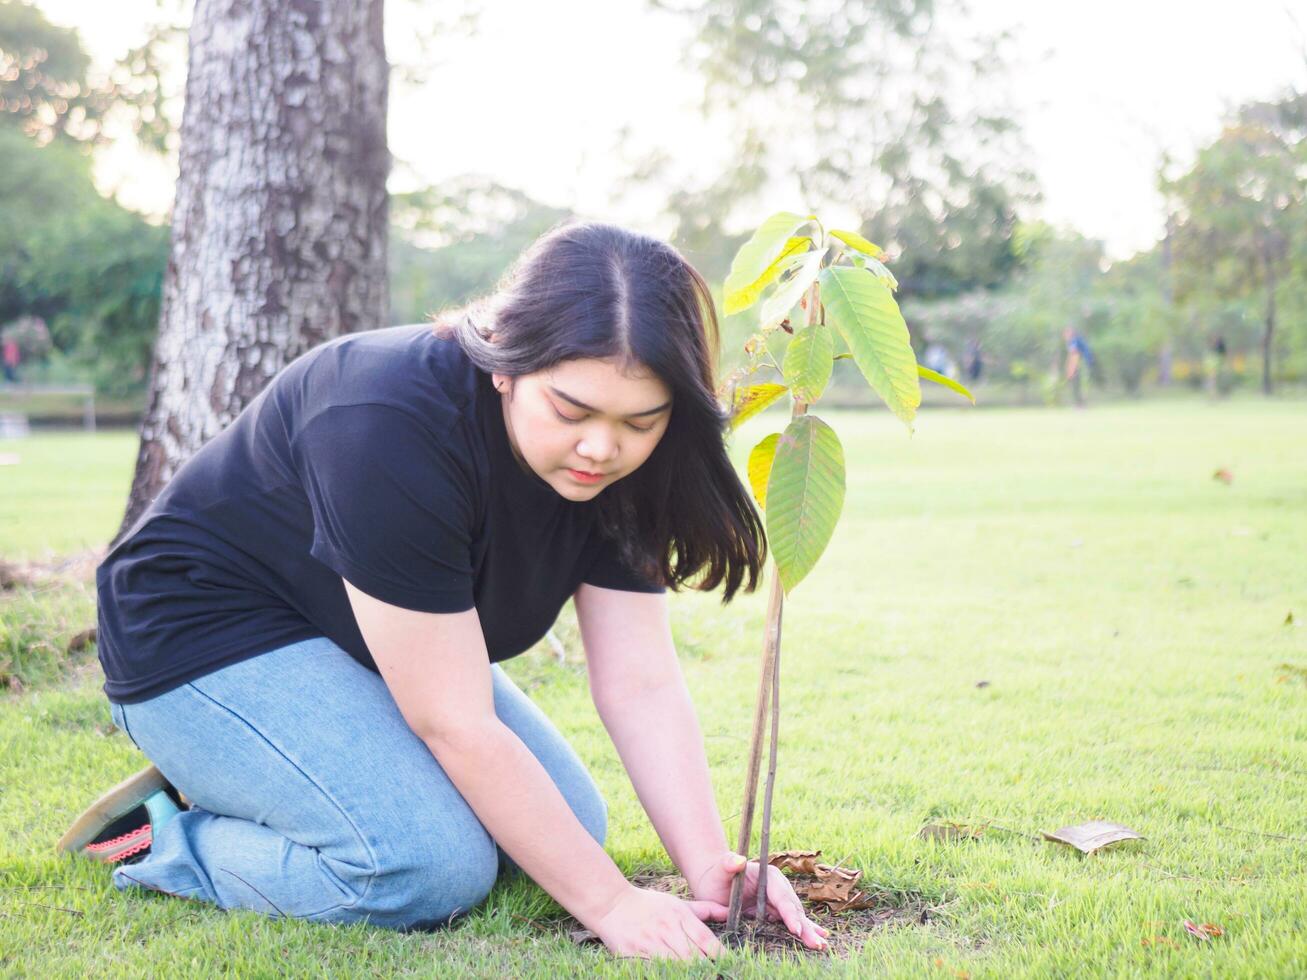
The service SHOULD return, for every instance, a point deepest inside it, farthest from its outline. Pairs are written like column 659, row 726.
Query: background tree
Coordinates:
column 91, row 269
column 280, row 222
column 46, row 92
column 453, row 242
column 1238, row 215
column 79, row 261
column 894, row 108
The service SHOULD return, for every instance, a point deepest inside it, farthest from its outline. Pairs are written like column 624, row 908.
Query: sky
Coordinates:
column 537, row 97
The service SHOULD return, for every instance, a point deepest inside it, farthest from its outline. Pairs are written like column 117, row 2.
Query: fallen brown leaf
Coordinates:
column 804, row 862
column 1206, row 932
column 824, row 884
column 1224, row 475
column 1093, row 835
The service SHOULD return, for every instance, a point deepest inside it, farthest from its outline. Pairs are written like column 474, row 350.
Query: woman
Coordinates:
column 302, row 631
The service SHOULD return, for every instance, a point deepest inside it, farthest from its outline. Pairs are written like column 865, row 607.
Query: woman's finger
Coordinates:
column 811, row 937
column 702, row 937
column 680, row 944
column 707, row 911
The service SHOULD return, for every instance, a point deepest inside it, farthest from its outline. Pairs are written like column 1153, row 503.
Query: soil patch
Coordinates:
column 849, row 930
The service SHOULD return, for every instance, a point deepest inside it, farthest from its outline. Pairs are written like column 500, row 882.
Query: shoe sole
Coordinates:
column 123, row 798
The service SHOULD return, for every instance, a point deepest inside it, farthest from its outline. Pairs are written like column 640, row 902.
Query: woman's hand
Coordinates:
column 714, row 886
column 654, row 925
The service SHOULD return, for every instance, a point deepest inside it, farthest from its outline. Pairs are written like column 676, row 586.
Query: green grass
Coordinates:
column 1126, row 609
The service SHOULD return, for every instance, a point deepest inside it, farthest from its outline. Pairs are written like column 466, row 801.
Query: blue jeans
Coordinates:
column 312, row 798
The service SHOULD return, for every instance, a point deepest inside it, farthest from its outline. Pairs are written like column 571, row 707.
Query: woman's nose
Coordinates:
column 598, row 447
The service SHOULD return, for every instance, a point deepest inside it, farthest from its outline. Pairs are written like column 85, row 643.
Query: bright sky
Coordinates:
column 534, row 101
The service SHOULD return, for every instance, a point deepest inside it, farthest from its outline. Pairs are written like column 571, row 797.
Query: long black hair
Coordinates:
column 594, row 290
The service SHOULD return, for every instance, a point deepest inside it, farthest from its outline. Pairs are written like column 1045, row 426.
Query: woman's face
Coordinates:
column 581, row 417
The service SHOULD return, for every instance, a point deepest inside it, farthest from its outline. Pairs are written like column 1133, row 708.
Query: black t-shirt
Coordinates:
column 380, row 457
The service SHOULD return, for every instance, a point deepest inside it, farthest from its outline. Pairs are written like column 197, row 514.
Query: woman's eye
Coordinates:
column 572, row 421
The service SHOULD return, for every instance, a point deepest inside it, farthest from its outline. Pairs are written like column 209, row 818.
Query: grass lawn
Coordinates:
column 1027, row 619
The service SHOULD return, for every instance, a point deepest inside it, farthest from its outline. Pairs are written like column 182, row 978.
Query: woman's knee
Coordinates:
column 425, row 887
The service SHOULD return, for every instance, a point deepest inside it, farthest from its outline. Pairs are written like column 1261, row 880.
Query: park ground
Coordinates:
column 1028, row 618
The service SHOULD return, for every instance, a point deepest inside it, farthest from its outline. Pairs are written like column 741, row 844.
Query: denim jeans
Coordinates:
column 312, row 798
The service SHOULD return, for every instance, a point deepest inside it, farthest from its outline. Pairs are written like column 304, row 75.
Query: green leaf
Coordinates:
column 760, row 460
column 758, row 253
column 854, row 240
column 805, row 495
column 743, row 298
column 843, row 357
column 809, row 359
column 791, row 290
column 945, row 380
column 863, row 310
column 877, row 269
column 751, row 400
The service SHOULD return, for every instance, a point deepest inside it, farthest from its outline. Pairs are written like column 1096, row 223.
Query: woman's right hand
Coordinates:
column 654, row 925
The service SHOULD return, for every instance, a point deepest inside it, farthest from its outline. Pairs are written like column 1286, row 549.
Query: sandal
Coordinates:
column 119, row 827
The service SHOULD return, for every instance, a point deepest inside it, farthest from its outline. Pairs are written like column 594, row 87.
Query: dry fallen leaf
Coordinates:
column 1224, row 475
column 804, row 862
column 1094, row 835
column 833, row 886
column 1207, row 931
column 1288, row 620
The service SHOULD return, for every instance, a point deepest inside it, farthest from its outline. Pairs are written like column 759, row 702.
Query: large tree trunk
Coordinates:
column 279, row 229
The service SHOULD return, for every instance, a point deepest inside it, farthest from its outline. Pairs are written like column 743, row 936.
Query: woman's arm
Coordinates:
column 638, row 689
column 641, row 696
column 437, row 669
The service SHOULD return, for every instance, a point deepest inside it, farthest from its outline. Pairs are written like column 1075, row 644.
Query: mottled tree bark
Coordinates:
column 279, row 227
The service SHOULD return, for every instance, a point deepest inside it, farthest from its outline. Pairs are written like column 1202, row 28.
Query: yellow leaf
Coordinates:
column 753, row 399
column 853, row 239
column 760, row 460
column 745, row 296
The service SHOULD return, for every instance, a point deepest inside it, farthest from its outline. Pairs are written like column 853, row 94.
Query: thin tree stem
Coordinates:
column 770, row 652
column 770, row 646
column 760, row 910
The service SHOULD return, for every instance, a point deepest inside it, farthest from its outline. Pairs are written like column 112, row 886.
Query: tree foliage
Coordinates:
column 90, row 268
column 46, row 92
column 1239, row 215
column 890, row 107
column 453, row 242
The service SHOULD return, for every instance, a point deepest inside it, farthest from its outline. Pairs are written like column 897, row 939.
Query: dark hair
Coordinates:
column 594, row 290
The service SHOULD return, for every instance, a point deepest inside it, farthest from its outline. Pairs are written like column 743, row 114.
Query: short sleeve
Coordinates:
column 609, row 571
column 393, row 506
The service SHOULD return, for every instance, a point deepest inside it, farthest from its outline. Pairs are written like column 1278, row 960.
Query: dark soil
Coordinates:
column 848, row 930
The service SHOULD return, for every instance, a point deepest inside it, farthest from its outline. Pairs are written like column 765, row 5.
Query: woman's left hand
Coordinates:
column 714, row 885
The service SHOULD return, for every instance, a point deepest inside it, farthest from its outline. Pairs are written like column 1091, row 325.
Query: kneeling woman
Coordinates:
column 302, row 631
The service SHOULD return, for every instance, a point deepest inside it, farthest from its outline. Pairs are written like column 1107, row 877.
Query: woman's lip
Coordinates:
column 583, row 475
